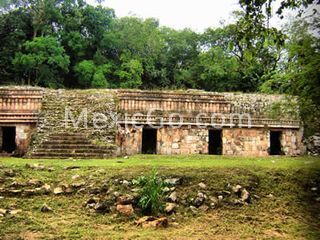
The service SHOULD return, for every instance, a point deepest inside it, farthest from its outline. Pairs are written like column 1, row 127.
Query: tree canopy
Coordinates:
column 71, row 44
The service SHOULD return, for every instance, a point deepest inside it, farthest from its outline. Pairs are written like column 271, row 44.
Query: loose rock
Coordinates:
column 170, row 207
column 202, row 185
column 34, row 182
column 152, row 222
column 173, row 181
column 45, row 208
column 173, row 197
column 245, row 195
column 126, row 210
column 58, row 190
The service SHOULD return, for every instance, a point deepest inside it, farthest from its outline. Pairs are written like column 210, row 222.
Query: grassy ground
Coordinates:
column 291, row 212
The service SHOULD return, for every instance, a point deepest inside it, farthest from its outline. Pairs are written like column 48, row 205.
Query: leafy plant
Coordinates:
column 151, row 193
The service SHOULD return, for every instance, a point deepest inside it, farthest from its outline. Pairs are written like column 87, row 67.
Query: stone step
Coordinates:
column 71, row 146
column 75, row 150
column 66, row 141
column 75, row 155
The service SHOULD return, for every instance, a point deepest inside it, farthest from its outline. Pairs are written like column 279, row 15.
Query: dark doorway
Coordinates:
column 8, row 139
column 215, row 142
column 149, row 141
column 275, row 143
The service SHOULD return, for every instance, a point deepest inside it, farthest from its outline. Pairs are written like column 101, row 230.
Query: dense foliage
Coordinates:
column 71, row 44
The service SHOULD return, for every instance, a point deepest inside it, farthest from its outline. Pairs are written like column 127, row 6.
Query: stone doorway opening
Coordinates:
column 149, row 141
column 215, row 142
column 275, row 142
column 9, row 139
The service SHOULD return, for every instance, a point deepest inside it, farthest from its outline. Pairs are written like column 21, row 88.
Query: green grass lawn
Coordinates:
column 286, row 207
column 194, row 161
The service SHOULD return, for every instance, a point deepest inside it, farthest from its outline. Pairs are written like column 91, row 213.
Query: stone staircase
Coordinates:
column 54, row 139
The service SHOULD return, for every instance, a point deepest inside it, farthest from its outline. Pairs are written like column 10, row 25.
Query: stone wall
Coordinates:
column 245, row 142
column 236, row 141
column 23, row 137
column 182, row 141
column 292, row 142
column 129, row 140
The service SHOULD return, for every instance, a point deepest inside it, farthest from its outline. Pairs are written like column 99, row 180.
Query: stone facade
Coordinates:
column 19, row 108
column 248, row 139
column 236, row 141
column 43, row 112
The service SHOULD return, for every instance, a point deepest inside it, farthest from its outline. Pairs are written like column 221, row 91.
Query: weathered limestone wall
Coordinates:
column 237, row 141
column 291, row 142
column 169, row 141
column 182, row 141
column 129, row 140
column 23, row 137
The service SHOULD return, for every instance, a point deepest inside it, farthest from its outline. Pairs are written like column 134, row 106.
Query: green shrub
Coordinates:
column 151, row 193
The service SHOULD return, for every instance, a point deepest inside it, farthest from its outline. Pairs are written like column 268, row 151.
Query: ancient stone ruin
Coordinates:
column 44, row 123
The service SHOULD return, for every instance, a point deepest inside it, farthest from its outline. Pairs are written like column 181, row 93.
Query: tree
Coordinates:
column 300, row 75
column 90, row 75
column 130, row 72
column 15, row 29
column 42, row 62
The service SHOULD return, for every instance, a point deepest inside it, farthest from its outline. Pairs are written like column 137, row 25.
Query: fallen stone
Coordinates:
column 78, row 184
column 14, row 192
column 236, row 189
column 173, row 181
column 71, row 167
column 202, row 185
column 29, row 192
column 45, row 208
column 237, row 202
column 58, row 191
column 36, row 166
column 46, row 188
column 91, row 201
column 204, row 208
column 34, row 182
column 125, row 183
column 173, row 197
column 116, row 194
column 245, row 195
column 170, row 207
column 3, row 211
column 74, row 177
column 124, row 200
column 199, row 200
column 16, row 184
column 256, row 197
column 193, row 209
column 14, row 211
column 102, row 207
column 126, row 210
column 165, row 190
column 152, row 222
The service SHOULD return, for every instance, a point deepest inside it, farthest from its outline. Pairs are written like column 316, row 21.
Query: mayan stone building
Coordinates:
column 43, row 123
